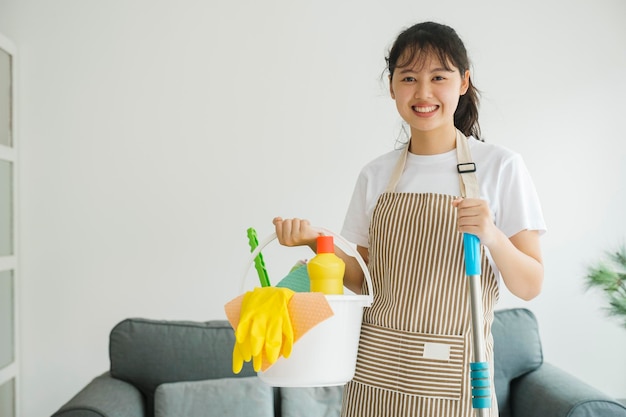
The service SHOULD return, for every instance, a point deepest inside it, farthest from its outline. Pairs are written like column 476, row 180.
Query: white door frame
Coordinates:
column 10, row 263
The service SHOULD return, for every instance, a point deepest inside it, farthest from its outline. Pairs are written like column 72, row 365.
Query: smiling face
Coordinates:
column 427, row 93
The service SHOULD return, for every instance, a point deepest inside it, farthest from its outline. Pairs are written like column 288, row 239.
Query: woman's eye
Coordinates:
column 408, row 79
column 439, row 78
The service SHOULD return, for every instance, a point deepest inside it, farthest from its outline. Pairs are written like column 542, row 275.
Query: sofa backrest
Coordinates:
column 517, row 350
column 148, row 353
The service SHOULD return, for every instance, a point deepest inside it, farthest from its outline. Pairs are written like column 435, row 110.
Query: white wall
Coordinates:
column 153, row 133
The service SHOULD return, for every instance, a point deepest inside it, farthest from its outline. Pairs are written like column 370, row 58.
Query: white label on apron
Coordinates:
column 438, row 351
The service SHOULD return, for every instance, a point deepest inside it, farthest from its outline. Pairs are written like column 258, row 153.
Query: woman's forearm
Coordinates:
column 353, row 277
column 520, row 264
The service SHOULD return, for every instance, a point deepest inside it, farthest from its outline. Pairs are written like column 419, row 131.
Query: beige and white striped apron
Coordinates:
column 415, row 346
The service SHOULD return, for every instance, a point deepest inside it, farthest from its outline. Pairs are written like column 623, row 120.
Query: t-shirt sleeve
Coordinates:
column 520, row 208
column 356, row 223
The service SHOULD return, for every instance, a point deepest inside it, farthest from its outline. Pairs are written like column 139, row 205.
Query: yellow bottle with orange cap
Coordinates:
column 326, row 269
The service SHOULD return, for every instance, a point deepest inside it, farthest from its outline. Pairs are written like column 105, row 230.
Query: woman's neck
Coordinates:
column 433, row 142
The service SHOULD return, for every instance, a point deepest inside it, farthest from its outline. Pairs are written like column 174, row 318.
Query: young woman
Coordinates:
column 407, row 215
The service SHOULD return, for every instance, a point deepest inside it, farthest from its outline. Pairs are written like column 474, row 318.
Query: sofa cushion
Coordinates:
column 517, row 350
column 312, row 402
column 148, row 353
column 248, row 397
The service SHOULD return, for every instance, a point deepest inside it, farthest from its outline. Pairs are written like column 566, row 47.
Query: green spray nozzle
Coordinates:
column 259, row 264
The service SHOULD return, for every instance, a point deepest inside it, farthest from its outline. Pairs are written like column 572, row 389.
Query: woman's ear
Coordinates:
column 465, row 82
column 393, row 96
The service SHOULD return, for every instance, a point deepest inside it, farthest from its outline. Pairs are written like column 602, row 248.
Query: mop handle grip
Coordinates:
column 471, row 244
column 481, row 385
column 480, row 375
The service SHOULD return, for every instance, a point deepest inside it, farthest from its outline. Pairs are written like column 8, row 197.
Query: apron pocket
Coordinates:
column 425, row 365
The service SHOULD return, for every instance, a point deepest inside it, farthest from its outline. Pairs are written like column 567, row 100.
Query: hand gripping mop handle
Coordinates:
column 480, row 378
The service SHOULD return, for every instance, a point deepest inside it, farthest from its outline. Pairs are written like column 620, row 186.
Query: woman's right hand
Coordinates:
column 295, row 232
column 298, row 232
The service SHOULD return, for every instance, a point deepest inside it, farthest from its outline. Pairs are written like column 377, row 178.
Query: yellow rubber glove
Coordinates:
column 264, row 328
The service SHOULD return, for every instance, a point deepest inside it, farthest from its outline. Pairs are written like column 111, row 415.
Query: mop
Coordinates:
column 479, row 368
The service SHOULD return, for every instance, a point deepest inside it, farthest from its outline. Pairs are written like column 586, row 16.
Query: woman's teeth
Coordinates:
column 425, row 109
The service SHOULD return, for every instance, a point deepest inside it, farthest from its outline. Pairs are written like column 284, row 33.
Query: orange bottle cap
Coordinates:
column 325, row 244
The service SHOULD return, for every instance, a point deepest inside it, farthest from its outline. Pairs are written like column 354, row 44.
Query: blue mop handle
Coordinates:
column 480, row 378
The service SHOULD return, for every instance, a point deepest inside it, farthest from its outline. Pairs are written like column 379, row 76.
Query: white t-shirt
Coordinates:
column 502, row 176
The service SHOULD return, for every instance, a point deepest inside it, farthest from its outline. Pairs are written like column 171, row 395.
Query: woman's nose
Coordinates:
column 422, row 90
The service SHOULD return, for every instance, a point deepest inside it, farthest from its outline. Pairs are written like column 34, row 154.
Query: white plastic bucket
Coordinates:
column 326, row 354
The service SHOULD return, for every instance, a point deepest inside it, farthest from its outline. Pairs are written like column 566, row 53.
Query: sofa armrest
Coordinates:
column 105, row 396
column 552, row 392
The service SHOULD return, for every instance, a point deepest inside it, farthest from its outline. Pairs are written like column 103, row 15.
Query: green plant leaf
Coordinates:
column 610, row 277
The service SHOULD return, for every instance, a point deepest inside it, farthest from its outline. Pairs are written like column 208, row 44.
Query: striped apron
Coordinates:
column 415, row 347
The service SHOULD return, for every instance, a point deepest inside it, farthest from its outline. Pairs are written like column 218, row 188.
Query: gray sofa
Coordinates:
column 183, row 369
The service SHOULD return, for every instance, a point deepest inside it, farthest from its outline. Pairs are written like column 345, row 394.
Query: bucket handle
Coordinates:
column 339, row 241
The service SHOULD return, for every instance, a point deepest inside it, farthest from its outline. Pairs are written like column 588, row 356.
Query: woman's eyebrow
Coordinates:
column 441, row 70
column 410, row 69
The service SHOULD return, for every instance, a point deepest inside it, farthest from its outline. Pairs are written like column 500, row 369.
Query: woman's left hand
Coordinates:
column 518, row 258
column 474, row 216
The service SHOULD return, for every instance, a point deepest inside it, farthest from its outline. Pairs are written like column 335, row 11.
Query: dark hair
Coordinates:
column 444, row 42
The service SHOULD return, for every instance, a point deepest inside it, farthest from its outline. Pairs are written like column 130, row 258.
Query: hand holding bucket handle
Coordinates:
column 340, row 241
column 480, row 377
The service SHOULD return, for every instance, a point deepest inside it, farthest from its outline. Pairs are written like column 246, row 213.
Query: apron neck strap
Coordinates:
column 398, row 170
column 465, row 167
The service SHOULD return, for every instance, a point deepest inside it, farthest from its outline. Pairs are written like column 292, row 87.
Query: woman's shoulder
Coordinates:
column 492, row 153
column 382, row 162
